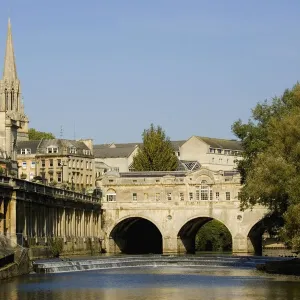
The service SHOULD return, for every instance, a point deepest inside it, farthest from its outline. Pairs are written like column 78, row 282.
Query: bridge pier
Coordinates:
column 241, row 244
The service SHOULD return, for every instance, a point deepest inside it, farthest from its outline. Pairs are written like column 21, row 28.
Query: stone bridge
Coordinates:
column 161, row 212
column 31, row 214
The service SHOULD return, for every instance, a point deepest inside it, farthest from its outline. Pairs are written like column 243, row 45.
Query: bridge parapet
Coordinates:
column 32, row 187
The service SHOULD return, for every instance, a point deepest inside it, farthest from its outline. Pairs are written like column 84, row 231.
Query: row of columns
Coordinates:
column 33, row 220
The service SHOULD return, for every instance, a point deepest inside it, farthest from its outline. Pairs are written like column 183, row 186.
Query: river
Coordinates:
column 219, row 278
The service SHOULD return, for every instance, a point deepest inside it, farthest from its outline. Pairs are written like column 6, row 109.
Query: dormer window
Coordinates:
column 73, row 150
column 26, row 151
column 52, row 149
column 211, row 150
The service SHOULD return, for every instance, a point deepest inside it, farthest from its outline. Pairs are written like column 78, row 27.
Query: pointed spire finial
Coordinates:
column 10, row 70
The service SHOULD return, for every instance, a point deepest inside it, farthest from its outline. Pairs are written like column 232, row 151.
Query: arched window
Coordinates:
column 204, row 192
column 6, row 99
column 111, row 196
column 12, row 99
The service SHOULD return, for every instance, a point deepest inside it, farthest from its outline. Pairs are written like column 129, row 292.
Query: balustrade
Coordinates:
column 46, row 190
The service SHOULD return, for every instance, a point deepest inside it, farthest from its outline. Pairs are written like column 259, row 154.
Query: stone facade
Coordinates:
column 13, row 121
column 215, row 154
column 67, row 163
column 177, row 204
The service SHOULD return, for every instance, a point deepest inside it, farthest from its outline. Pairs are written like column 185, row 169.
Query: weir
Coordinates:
column 145, row 261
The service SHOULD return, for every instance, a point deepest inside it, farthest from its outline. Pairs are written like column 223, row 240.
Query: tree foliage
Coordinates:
column 213, row 236
column 271, row 160
column 38, row 135
column 271, row 165
column 156, row 153
column 291, row 231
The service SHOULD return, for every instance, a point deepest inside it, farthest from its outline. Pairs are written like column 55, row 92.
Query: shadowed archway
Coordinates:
column 269, row 225
column 137, row 235
column 187, row 234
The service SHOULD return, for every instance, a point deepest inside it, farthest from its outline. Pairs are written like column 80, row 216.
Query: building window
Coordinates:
column 191, row 196
column 239, row 195
column 219, row 151
column 59, row 162
column 73, row 150
column 81, row 164
column 211, row 150
column 43, row 163
column 169, row 196
column 51, row 150
column 32, row 165
column 111, row 197
column 217, row 195
column 145, row 196
column 24, row 164
column 197, row 194
column 227, row 195
column 26, row 151
column 210, row 194
column 213, row 160
column 181, row 196
column 204, row 190
column 59, row 177
column 87, row 165
column 157, row 196
column 134, row 197
column 51, row 162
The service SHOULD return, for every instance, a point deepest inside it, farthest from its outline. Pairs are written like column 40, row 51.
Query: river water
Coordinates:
column 209, row 281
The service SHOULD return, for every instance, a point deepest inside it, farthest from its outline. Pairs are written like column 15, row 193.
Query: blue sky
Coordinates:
column 113, row 67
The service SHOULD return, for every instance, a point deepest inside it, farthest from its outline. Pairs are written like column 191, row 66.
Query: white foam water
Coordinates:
column 73, row 265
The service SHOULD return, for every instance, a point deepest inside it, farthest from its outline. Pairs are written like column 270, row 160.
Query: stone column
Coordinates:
column 63, row 223
column 73, row 231
column 2, row 216
column 11, row 218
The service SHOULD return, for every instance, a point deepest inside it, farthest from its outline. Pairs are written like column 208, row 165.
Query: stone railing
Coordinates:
column 28, row 186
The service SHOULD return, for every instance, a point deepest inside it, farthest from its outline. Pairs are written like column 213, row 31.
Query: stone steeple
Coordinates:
column 13, row 121
column 10, row 70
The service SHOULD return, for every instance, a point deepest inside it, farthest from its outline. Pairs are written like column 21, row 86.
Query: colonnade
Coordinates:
column 25, row 221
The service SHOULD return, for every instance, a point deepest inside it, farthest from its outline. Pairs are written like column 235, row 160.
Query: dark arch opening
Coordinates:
column 268, row 227
column 137, row 236
column 206, row 235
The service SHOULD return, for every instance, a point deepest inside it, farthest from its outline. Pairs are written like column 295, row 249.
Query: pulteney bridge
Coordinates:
column 161, row 212
column 31, row 213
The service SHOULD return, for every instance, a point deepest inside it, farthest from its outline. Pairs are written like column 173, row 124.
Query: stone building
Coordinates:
column 216, row 154
column 61, row 162
column 173, row 186
column 13, row 121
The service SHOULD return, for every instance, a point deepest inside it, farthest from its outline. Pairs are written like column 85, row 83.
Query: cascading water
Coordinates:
column 72, row 265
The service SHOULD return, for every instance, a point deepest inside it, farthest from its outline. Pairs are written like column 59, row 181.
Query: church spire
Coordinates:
column 10, row 70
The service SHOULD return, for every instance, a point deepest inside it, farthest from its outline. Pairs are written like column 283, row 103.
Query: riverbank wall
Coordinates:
column 19, row 266
column 45, row 248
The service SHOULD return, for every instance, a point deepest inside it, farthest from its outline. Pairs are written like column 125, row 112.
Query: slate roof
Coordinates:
column 32, row 145
column 123, row 150
column 222, row 143
column 106, row 152
column 63, row 143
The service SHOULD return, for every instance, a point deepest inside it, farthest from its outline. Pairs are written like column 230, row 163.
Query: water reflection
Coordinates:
column 154, row 283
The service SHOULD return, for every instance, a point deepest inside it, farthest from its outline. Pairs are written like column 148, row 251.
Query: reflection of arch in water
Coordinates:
column 136, row 235
column 187, row 233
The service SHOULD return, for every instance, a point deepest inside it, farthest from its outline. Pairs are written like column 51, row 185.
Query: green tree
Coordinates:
column 156, row 153
column 271, row 166
column 38, row 135
column 213, row 236
column 291, row 231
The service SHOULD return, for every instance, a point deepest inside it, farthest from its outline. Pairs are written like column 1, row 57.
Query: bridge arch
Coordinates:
column 135, row 235
column 187, row 233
